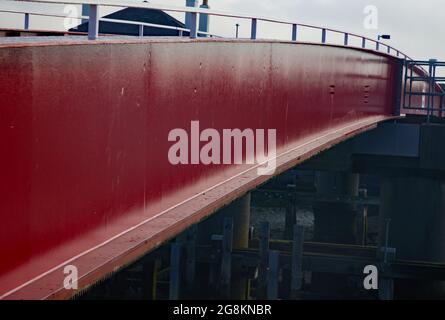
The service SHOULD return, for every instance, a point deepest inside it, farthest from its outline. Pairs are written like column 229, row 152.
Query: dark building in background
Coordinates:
column 139, row 15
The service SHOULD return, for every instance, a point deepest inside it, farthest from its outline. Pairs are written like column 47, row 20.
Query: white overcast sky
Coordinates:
column 416, row 26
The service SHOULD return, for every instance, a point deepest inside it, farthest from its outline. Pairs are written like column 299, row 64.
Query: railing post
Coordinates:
column 141, row 30
column 389, row 49
column 294, row 32
column 193, row 25
column 346, row 39
column 398, row 53
column 323, row 36
column 431, row 89
column 253, row 29
column 180, row 33
column 85, row 12
column 189, row 4
column 93, row 22
column 204, row 19
column 377, row 46
column 26, row 21
column 363, row 43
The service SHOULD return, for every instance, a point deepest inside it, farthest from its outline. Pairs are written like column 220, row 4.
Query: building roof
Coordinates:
column 140, row 15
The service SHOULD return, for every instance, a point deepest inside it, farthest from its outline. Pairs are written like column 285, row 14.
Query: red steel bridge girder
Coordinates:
column 84, row 151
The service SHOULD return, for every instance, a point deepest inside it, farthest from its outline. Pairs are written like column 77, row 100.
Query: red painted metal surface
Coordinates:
column 85, row 174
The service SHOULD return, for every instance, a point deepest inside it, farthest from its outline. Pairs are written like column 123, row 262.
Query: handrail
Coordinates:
column 146, row 24
column 195, row 11
column 435, row 91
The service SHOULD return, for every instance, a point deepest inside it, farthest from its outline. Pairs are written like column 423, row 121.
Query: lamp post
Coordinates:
column 384, row 36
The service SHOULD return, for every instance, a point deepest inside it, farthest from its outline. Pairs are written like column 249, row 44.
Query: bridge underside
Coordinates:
column 84, row 135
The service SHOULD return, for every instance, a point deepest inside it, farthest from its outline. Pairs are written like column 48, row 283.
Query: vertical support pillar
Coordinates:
column 334, row 223
column 26, row 23
column 241, row 229
column 323, row 36
column 211, row 288
column 190, row 262
column 272, row 275
column 241, row 222
column 297, row 261
column 290, row 221
column 415, row 204
column 150, row 273
column 141, row 30
column 253, row 29
column 387, row 255
column 377, row 46
column 175, row 271
column 363, row 43
column 93, row 22
column 362, row 220
column 386, row 289
column 239, row 212
column 294, row 32
column 226, row 265
column 264, row 238
column 346, row 42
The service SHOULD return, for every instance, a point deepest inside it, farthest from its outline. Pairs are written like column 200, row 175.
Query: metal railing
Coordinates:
column 28, row 14
column 431, row 98
column 94, row 20
column 435, row 91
